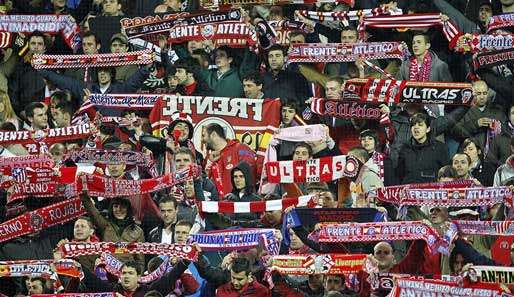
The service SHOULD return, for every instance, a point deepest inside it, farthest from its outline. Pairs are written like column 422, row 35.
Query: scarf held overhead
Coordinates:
column 345, row 52
column 382, row 231
column 495, row 58
column 345, row 109
column 227, row 240
column 402, row 91
column 235, row 33
column 47, row 135
column 500, row 21
column 254, row 206
column 476, row 43
column 346, row 16
column 216, row 4
column 318, row 264
column 324, row 169
column 43, row 61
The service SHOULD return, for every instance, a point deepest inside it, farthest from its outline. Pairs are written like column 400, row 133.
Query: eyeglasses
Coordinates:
column 436, row 209
column 381, row 252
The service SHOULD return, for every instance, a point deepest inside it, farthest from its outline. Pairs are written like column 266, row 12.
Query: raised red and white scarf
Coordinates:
column 32, row 161
column 38, row 268
column 500, row 21
column 444, row 197
column 6, row 39
column 217, row 4
column 48, row 135
column 37, row 220
column 120, row 101
column 113, row 266
column 477, row 43
column 495, row 228
column 432, row 287
column 228, row 240
column 75, row 249
column 232, row 33
column 345, row 109
column 420, row 72
column 324, row 169
column 489, row 59
column 417, row 20
column 105, row 294
column 157, row 25
column 344, row 52
column 39, row 182
column 94, row 60
column 47, row 23
column 254, row 206
column 381, row 231
column 307, row 264
column 92, row 156
column 402, row 91
column 346, row 16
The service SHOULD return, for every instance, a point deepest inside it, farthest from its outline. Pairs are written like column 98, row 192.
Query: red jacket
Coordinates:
column 234, row 153
column 253, row 289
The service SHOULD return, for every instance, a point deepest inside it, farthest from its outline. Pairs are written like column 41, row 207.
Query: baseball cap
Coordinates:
column 120, row 37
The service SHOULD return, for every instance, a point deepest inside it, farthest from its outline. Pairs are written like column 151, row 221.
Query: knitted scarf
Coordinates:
column 254, row 206
column 227, row 240
column 500, row 21
column 47, row 135
column 421, row 72
column 232, row 33
column 346, row 16
column 307, row 264
column 345, row 109
column 43, row 61
column 431, row 287
column 217, row 4
column 477, row 43
column 495, row 58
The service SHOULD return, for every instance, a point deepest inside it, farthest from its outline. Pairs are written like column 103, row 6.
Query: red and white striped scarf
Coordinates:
column 345, row 16
column 421, row 72
column 231, row 33
column 432, row 287
column 43, row 61
column 255, row 206
column 307, row 264
column 419, row 20
column 500, row 21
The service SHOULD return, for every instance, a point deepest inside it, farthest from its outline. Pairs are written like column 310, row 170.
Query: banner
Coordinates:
column 430, row 287
column 345, row 52
column 232, row 33
column 499, row 21
column 92, row 156
column 324, row 169
column 75, row 249
column 381, row 231
column 217, row 4
column 346, row 16
column 155, row 24
column 39, row 182
column 32, row 161
column 122, row 101
column 494, row 228
column 345, row 109
column 46, row 23
column 38, row 268
column 255, row 206
column 449, row 197
column 495, row 274
column 39, row 219
column 228, row 240
column 251, row 121
column 113, row 187
column 48, row 135
column 44, row 61
column 490, row 59
column 106, row 294
column 402, row 91
column 318, row 264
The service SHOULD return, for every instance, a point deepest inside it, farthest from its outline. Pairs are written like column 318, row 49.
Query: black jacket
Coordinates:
column 247, row 196
column 288, row 86
column 26, row 85
column 419, row 163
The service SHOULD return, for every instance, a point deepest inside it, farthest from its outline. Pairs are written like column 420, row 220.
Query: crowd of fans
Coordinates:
column 422, row 143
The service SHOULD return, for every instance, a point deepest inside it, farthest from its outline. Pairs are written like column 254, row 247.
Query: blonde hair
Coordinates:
column 8, row 110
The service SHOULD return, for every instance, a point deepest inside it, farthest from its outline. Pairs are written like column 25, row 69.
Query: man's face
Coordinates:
column 59, row 3
column 118, row 47
column 61, row 119
column 174, row 4
column 239, row 180
column 89, row 45
column 333, row 90
column 297, row 39
column 419, row 131
column 37, row 45
column 480, row 92
column 507, row 2
column 111, row 7
column 222, row 60
column 419, row 46
column 296, row 242
column 181, row 234
column 239, row 280
column 288, row 114
column 119, row 211
column 129, row 278
column 182, row 161
column 511, row 115
column 82, row 230
column 168, row 213
column 181, row 75
column 116, row 169
column 461, row 165
column 383, row 252
column 349, row 36
column 485, row 13
column 206, row 138
column 368, row 143
column 184, row 130
column 104, row 76
column 301, row 154
column 251, row 89
column 35, row 287
column 438, row 215
column 273, row 217
column 40, row 119
column 276, row 60
column 472, row 151
column 193, row 45
column 333, row 283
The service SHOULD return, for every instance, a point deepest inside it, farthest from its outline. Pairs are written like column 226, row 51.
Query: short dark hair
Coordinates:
column 60, row 96
column 297, row 33
column 187, row 64
column 65, row 107
column 425, row 36
column 185, row 151
column 350, row 28
column 132, row 264
column 276, row 47
column 469, row 141
column 228, row 50
column 305, row 145
column 467, row 157
column 168, row 199
column 419, row 118
column 447, row 171
column 29, row 110
column 38, row 34
column 154, row 263
column 255, row 77
column 339, row 79
column 184, row 223
column 214, row 127
column 88, row 220
column 89, row 34
column 240, row 264
column 291, row 104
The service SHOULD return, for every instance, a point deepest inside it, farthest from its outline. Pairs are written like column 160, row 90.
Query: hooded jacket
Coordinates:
column 504, row 172
column 246, row 195
column 113, row 230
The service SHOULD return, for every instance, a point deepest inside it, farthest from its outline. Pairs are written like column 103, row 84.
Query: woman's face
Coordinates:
column 472, row 151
